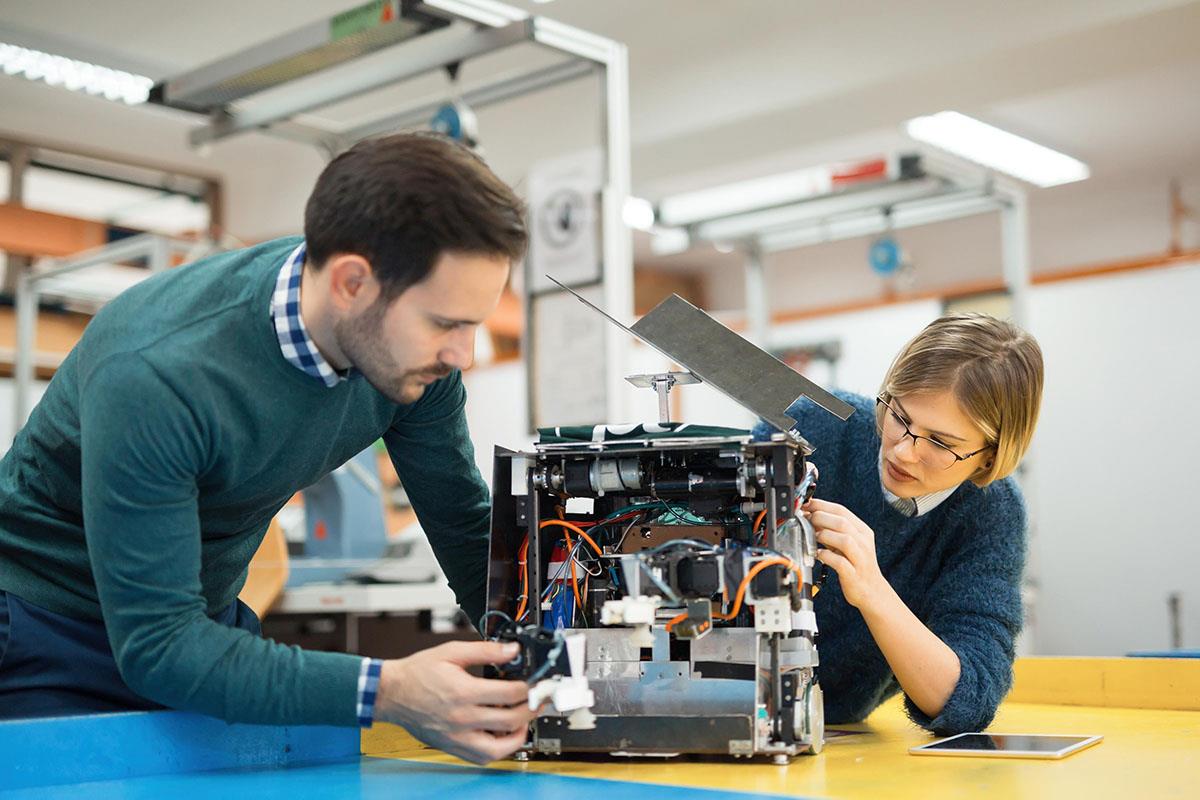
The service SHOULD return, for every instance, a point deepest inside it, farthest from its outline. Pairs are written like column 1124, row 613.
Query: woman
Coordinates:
column 921, row 530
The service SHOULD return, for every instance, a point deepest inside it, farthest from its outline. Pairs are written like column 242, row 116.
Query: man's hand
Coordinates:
column 848, row 546
column 432, row 695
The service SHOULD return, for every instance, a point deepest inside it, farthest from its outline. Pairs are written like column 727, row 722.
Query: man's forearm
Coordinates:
column 926, row 667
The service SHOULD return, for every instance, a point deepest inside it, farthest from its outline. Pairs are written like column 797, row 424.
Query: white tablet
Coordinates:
column 1007, row 745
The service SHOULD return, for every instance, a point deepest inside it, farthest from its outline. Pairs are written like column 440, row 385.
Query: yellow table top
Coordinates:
column 1145, row 753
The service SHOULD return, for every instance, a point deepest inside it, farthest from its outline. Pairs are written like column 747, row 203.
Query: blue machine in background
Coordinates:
column 345, row 527
column 345, row 533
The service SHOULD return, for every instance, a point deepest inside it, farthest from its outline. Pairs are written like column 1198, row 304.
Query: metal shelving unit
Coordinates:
column 59, row 278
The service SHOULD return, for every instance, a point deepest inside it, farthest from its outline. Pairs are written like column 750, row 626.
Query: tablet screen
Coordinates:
column 1004, row 742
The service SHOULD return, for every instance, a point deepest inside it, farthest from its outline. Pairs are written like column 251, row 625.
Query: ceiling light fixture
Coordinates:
column 998, row 149
column 78, row 76
column 638, row 213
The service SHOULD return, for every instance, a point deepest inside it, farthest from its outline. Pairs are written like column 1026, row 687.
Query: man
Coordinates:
column 200, row 400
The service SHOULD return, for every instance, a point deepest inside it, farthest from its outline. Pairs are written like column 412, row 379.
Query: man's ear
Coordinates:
column 352, row 284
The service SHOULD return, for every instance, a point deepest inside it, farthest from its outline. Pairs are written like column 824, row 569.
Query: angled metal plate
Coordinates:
column 741, row 371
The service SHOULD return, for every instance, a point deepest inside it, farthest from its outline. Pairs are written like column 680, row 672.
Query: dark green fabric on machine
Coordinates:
column 146, row 477
column 618, row 433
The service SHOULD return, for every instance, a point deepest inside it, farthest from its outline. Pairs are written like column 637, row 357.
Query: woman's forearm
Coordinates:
column 925, row 666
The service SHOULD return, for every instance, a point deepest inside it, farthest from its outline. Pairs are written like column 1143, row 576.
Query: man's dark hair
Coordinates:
column 401, row 201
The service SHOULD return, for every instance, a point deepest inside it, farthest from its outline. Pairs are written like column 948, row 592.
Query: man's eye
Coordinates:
column 446, row 325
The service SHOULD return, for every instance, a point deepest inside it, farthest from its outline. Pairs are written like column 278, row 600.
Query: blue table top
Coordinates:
column 369, row 778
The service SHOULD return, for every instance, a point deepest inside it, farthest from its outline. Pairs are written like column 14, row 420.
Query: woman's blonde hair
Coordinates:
column 994, row 370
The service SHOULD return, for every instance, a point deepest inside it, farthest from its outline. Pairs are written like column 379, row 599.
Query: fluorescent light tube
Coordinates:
column 78, row 76
column 735, row 198
column 998, row 149
column 485, row 12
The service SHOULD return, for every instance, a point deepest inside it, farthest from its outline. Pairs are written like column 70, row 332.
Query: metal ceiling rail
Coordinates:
column 507, row 88
column 932, row 189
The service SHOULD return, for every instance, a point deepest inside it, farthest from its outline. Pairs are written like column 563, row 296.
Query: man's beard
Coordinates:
column 361, row 340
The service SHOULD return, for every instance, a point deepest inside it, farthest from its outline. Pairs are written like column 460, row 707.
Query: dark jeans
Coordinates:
column 51, row 665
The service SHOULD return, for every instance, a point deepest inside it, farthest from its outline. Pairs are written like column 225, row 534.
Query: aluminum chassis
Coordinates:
column 662, row 706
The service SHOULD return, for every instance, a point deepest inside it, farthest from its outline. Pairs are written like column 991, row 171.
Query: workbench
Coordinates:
column 1148, row 710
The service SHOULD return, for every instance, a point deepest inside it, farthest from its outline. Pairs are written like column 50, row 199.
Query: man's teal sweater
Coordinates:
column 958, row 568
column 146, row 477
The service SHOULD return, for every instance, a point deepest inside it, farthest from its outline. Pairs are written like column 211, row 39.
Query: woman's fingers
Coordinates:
column 824, row 505
column 825, row 520
column 816, row 507
column 840, row 564
column 842, row 542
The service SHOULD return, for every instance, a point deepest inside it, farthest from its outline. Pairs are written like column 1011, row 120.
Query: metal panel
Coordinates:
column 710, row 734
column 751, row 377
column 722, row 359
column 735, row 645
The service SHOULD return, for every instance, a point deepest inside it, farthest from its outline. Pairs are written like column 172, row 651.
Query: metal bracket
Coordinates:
column 662, row 383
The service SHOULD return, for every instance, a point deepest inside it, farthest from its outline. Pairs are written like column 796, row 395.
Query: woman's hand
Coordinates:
column 848, row 546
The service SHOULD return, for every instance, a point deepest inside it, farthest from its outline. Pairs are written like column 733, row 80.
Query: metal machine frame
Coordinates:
column 660, row 653
column 743, row 687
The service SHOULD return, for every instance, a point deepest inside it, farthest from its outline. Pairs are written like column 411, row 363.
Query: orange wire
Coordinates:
column 758, row 521
column 523, row 562
column 572, row 526
column 741, row 592
column 574, row 576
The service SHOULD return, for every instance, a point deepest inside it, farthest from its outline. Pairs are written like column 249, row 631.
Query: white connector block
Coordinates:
column 638, row 610
column 569, row 694
column 773, row 615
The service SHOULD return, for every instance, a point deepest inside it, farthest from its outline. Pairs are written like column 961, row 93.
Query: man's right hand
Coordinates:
column 433, row 696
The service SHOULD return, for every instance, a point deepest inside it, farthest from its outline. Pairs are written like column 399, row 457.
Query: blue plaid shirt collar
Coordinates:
column 294, row 341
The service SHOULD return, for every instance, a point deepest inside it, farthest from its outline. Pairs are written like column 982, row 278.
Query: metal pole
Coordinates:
column 1014, row 226
column 19, row 156
column 160, row 254
column 618, row 244
column 23, row 371
column 1014, row 235
column 758, row 319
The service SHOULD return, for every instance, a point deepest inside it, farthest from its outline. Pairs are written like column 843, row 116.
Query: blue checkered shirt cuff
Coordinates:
column 368, row 686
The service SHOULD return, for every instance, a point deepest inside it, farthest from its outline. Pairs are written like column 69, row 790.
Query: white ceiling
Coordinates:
column 723, row 90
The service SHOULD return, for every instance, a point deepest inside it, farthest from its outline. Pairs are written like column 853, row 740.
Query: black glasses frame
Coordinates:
column 908, row 432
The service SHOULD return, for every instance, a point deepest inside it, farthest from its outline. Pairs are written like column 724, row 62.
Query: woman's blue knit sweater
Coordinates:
column 957, row 567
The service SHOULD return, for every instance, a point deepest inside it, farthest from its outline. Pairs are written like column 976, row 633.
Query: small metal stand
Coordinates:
column 661, row 383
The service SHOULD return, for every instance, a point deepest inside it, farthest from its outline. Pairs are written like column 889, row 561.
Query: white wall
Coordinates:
column 1114, row 462
column 497, row 411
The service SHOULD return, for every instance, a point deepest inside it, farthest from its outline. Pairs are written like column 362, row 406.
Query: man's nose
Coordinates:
column 460, row 351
